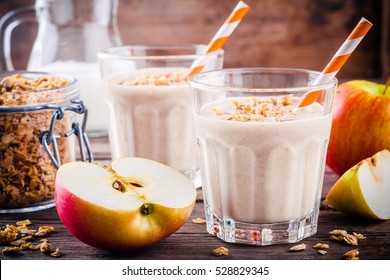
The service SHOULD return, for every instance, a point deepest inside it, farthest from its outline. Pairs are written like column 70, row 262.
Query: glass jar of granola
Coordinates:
column 38, row 133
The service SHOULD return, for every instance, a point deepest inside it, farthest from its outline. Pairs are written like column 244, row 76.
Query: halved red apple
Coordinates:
column 364, row 190
column 134, row 204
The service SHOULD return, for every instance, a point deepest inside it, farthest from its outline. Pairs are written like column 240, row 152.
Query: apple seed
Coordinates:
column 136, row 185
column 146, row 209
column 118, row 186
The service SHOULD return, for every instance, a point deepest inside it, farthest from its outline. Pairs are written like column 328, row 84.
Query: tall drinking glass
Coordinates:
column 262, row 160
column 149, row 104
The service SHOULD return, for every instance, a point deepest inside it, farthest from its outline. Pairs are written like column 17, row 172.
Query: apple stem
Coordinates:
column 386, row 85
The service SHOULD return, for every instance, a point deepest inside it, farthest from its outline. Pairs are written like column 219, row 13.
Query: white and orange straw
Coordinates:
column 222, row 35
column 338, row 60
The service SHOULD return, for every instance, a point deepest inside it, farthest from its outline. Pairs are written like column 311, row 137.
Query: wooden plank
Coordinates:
column 278, row 33
column 193, row 242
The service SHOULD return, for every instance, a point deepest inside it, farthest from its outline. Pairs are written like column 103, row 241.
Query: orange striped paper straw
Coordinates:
column 222, row 35
column 338, row 60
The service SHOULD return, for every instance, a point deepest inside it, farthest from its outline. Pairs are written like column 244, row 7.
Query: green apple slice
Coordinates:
column 364, row 190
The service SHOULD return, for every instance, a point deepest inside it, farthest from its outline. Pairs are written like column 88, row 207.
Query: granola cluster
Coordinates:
column 157, row 79
column 18, row 83
column 16, row 90
column 258, row 109
column 26, row 172
column 19, row 237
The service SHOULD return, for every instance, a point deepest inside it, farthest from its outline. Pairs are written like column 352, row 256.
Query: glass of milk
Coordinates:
column 149, row 103
column 262, row 160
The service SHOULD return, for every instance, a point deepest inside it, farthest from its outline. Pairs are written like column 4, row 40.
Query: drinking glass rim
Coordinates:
column 195, row 80
column 105, row 53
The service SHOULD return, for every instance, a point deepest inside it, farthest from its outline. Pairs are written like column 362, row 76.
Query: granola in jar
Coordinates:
column 27, row 173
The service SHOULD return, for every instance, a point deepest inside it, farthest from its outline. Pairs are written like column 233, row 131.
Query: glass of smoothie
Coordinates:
column 262, row 159
column 149, row 102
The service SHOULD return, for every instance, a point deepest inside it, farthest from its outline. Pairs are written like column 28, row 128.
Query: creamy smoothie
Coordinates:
column 262, row 161
column 150, row 116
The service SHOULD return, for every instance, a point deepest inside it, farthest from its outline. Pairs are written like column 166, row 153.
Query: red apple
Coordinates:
column 134, row 204
column 360, row 125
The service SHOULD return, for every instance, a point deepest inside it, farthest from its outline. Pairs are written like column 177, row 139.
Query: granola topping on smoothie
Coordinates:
column 260, row 109
column 157, row 79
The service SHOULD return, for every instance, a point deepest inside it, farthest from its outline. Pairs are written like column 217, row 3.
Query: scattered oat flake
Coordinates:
column 26, row 246
column 258, row 109
column 11, row 250
column 18, row 242
column 34, row 247
column 199, row 221
column 338, row 232
column 299, row 247
column 24, row 223
column 56, row 253
column 352, row 255
column 45, row 247
column 21, row 237
column 359, row 236
column 321, row 246
column 221, row 251
column 322, row 252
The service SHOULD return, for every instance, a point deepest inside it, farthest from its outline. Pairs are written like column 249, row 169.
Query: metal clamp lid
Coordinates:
column 49, row 137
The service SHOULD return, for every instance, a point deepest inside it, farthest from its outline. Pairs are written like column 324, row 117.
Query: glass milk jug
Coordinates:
column 70, row 32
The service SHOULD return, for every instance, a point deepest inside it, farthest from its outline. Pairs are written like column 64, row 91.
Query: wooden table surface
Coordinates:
column 194, row 243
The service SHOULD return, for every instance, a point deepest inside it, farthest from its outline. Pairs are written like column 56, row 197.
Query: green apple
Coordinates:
column 360, row 125
column 134, row 204
column 364, row 190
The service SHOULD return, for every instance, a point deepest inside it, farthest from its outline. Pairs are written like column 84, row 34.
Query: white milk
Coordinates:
column 262, row 172
column 153, row 122
column 88, row 77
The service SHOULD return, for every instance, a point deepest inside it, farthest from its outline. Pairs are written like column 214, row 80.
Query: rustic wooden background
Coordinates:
column 275, row 33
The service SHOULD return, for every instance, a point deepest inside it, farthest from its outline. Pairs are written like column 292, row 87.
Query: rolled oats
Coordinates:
column 23, row 223
column 258, row 109
column 157, row 79
column 322, row 246
column 221, row 251
column 199, row 221
column 21, row 238
column 45, row 247
column 359, row 236
column 11, row 250
column 299, row 247
column 352, row 255
column 26, row 246
column 322, row 252
column 26, row 171
column 56, row 253
column 343, row 236
column 9, row 234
